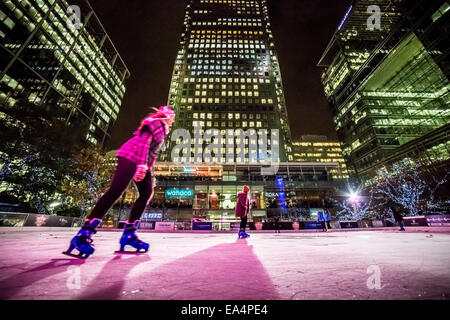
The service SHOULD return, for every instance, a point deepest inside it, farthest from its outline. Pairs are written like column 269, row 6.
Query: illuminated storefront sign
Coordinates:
column 152, row 216
column 179, row 193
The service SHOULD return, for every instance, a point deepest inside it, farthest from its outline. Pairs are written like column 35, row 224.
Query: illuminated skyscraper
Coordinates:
column 388, row 87
column 75, row 72
column 227, row 76
column 312, row 148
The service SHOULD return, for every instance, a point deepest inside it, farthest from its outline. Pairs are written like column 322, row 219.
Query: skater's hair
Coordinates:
column 164, row 112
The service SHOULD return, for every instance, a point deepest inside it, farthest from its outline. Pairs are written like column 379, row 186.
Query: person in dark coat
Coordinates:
column 242, row 210
column 277, row 224
column 398, row 217
column 327, row 218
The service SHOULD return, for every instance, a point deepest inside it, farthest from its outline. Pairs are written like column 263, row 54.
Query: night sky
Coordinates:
column 146, row 34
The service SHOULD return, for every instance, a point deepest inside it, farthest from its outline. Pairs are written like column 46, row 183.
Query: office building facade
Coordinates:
column 388, row 84
column 227, row 77
column 57, row 54
column 313, row 148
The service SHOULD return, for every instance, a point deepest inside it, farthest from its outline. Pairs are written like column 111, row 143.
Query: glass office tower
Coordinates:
column 388, row 88
column 76, row 72
column 314, row 148
column 227, row 77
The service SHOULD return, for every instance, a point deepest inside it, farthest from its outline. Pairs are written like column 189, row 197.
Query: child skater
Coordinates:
column 135, row 160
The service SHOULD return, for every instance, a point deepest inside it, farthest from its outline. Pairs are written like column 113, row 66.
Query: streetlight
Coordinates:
column 54, row 205
column 355, row 199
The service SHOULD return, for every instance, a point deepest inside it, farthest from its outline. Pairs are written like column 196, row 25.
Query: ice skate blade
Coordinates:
column 74, row 255
column 131, row 252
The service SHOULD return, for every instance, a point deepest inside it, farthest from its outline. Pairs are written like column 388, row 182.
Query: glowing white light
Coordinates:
column 54, row 204
column 354, row 198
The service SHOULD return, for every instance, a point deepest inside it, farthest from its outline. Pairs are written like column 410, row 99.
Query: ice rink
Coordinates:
column 215, row 266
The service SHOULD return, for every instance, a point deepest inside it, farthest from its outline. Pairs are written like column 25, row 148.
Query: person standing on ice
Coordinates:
column 242, row 210
column 277, row 224
column 327, row 219
column 398, row 218
column 321, row 219
column 135, row 160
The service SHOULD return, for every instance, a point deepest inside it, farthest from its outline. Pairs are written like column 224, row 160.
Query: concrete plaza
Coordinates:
column 354, row 265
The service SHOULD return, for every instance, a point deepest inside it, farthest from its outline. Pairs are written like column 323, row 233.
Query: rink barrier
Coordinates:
column 17, row 219
column 418, row 221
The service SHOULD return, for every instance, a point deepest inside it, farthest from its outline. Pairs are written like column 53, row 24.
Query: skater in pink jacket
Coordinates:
column 135, row 160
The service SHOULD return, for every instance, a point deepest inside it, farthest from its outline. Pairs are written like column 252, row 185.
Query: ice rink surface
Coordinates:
column 214, row 266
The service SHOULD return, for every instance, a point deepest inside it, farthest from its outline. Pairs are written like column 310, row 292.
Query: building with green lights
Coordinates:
column 313, row 148
column 227, row 77
column 75, row 71
column 388, row 88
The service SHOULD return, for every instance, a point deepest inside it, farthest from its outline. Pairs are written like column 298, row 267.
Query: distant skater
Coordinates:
column 327, row 218
column 135, row 160
column 242, row 210
column 398, row 218
column 321, row 219
column 277, row 225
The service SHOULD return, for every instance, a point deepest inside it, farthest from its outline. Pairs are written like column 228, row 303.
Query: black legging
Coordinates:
column 123, row 175
column 244, row 222
column 277, row 226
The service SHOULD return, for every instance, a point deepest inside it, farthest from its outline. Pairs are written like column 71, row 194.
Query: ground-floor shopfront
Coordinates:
column 208, row 194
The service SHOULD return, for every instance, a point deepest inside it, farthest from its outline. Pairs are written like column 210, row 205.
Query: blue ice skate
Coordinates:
column 243, row 235
column 83, row 241
column 129, row 238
